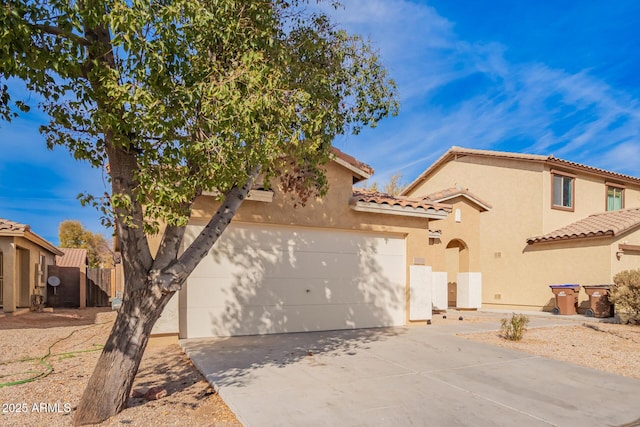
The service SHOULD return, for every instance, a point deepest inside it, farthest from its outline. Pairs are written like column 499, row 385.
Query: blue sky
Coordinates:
column 546, row 77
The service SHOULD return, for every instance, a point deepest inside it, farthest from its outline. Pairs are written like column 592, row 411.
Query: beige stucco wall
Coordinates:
column 514, row 190
column 583, row 262
column 628, row 260
column 37, row 285
column 466, row 231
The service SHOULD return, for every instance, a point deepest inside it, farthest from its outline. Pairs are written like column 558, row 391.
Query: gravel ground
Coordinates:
column 62, row 349
column 606, row 347
column 47, row 358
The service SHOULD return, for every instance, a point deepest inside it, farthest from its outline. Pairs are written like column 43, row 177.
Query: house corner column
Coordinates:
column 9, row 286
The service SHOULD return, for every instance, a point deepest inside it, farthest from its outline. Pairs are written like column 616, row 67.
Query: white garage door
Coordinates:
column 266, row 279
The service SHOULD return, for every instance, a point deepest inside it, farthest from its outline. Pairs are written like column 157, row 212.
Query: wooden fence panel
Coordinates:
column 98, row 287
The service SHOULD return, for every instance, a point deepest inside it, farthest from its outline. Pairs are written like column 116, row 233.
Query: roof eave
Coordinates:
column 592, row 171
column 408, row 211
column 455, row 152
column 359, row 174
column 442, row 159
column 33, row 237
column 11, row 233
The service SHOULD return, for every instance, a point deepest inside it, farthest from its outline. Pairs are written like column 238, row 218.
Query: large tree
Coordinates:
column 72, row 234
column 177, row 97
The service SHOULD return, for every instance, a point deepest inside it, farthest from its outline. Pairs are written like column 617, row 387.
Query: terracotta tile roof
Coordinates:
column 12, row 227
column 352, row 161
column 604, row 224
column 450, row 193
column 550, row 160
column 73, row 257
column 375, row 197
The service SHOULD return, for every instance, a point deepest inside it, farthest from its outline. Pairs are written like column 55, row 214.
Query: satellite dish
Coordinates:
column 53, row 281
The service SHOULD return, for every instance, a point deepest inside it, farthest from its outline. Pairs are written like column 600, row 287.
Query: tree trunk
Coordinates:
column 147, row 292
column 110, row 384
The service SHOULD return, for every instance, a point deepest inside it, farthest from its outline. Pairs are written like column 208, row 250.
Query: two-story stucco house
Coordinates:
column 525, row 222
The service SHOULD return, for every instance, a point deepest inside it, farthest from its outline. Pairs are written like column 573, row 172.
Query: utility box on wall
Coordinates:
column 420, row 283
column 469, row 290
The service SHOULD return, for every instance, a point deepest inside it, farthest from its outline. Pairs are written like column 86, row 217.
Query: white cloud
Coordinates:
column 534, row 107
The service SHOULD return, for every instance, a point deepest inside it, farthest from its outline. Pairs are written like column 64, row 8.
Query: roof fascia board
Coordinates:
column 34, row 238
column 11, row 233
column 592, row 171
column 466, row 196
column 441, row 160
column 455, row 153
column 359, row 172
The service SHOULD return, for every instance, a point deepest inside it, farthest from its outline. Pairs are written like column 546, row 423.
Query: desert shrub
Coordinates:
column 625, row 294
column 513, row 329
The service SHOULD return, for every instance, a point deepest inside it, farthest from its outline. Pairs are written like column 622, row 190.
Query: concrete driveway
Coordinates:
column 407, row 376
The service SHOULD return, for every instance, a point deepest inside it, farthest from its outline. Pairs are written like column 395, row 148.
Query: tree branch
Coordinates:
column 172, row 278
column 50, row 29
column 169, row 247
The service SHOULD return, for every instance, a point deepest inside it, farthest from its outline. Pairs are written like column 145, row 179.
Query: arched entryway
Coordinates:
column 457, row 261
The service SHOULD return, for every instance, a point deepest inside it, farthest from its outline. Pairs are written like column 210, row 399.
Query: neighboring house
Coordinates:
column 341, row 262
column 24, row 259
column 545, row 221
column 71, row 271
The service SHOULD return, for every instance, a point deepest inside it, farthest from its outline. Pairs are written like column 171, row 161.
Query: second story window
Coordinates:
column 563, row 191
column 615, row 197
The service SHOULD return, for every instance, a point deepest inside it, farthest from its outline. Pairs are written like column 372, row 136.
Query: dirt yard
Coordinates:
column 606, row 347
column 46, row 359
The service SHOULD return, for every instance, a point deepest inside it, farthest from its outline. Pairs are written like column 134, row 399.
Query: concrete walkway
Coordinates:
column 412, row 376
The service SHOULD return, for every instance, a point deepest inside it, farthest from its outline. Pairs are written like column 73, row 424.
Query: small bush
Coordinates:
column 513, row 330
column 625, row 294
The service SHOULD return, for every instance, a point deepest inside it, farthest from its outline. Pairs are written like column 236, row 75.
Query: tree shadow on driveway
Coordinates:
column 232, row 361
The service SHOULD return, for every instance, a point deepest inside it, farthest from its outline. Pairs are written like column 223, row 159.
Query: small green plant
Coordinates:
column 513, row 329
column 625, row 294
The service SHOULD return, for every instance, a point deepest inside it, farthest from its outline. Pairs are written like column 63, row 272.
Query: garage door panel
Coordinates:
column 386, row 265
column 289, row 291
column 276, row 319
column 256, row 237
column 260, row 279
column 204, row 292
column 313, row 265
column 299, row 264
